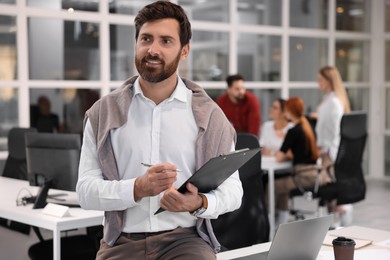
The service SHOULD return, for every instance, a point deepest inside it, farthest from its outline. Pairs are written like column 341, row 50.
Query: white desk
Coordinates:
column 78, row 218
column 270, row 164
column 377, row 250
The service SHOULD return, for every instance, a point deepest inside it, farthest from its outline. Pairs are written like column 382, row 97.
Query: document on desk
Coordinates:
column 363, row 233
column 217, row 170
column 359, row 242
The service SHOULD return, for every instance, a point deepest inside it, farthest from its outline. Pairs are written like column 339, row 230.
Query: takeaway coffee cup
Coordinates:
column 343, row 248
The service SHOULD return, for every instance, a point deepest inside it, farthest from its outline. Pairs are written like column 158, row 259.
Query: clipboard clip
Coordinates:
column 236, row 151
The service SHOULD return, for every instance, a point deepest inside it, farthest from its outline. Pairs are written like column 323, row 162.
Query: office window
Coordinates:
column 8, row 52
column 387, row 61
column 259, row 57
column 122, row 42
column 209, row 57
column 307, row 56
column 309, row 14
column 262, row 12
column 312, row 97
column 353, row 15
column 68, row 107
column 127, row 7
column 359, row 99
column 210, row 10
column 352, row 59
column 70, row 5
column 9, row 116
column 63, row 50
column 266, row 97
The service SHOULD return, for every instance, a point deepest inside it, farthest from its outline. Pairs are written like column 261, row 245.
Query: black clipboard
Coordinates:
column 217, row 170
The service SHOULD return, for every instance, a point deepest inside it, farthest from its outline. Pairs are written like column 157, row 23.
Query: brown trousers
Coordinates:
column 181, row 243
column 307, row 179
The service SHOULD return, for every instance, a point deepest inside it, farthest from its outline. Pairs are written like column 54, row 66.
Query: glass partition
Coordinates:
column 262, row 12
column 353, row 15
column 70, row 5
column 8, row 51
column 309, row 14
column 63, row 50
column 127, row 7
column 209, row 57
column 307, row 56
column 312, row 97
column 60, row 110
column 210, row 10
column 259, row 57
column 9, row 115
column 122, row 41
column 352, row 59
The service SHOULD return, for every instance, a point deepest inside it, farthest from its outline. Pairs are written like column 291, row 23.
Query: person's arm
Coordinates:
column 254, row 118
column 285, row 152
column 93, row 191
column 227, row 197
column 96, row 193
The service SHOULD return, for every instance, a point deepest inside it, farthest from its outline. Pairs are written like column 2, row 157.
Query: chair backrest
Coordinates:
column 351, row 186
column 15, row 165
column 249, row 224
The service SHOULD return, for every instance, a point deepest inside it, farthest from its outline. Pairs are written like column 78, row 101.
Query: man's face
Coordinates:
column 158, row 50
column 236, row 91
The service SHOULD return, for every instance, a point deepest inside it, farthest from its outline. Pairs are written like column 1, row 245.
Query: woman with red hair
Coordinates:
column 300, row 147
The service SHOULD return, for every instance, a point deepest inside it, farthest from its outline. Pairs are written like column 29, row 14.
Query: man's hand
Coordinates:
column 157, row 178
column 175, row 201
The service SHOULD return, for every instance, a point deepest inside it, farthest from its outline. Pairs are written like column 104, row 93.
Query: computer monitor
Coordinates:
column 52, row 162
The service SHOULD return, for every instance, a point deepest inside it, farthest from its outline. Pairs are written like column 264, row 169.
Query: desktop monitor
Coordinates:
column 52, row 162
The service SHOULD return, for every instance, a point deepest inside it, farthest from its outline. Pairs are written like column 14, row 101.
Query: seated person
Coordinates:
column 300, row 147
column 274, row 131
column 45, row 121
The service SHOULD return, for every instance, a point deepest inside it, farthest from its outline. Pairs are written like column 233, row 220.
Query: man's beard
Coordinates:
column 240, row 98
column 152, row 74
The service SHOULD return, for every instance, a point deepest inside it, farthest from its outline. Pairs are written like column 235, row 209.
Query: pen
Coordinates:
column 149, row 165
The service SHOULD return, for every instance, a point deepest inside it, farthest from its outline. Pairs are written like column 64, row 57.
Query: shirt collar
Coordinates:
column 179, row 93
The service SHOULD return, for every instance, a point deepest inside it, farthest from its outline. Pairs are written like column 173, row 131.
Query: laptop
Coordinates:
column 298, row 240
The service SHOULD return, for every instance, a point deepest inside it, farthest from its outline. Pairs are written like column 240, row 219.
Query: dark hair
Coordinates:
column 282, row 103
column 230, row 79
column 162, row 10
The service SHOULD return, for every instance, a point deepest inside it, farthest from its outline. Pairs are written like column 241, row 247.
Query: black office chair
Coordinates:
column 16, row 167
column 349, row 185
column 249, row 224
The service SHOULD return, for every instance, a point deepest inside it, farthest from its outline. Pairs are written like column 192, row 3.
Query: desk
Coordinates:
column 373, row 251
column 79, row 218
column 270, row 164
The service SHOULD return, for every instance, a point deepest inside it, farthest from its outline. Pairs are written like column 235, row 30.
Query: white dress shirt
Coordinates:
column 270, row 139
column 330, row 112
column 153, row 134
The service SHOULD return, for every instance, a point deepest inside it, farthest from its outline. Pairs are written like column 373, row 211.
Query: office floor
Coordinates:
column 373, row 212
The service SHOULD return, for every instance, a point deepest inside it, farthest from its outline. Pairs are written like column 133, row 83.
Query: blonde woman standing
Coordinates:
column 329, row 113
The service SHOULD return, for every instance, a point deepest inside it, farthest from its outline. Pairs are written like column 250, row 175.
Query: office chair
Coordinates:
column 16, row 167
column 249, row 224
column 349, row 185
